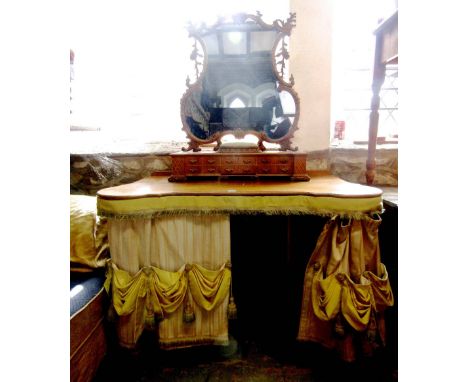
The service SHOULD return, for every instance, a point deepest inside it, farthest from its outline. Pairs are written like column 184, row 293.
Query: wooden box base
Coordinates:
column 188, row 165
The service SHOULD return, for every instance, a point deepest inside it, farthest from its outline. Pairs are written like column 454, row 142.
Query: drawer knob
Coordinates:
column 193, row 161
column 210, row 161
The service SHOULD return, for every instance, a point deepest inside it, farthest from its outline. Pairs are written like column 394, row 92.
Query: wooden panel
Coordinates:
column 390, row 45
column 321, row 184
column 87, row 339
column 186, row 165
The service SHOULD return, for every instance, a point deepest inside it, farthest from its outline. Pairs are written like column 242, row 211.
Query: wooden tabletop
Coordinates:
column 154, row 196
column 320, row 185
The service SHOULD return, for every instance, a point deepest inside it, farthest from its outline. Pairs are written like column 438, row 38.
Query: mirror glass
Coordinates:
column 240, row 90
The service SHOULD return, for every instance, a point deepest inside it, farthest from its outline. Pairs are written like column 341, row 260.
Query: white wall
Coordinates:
column 310, row 64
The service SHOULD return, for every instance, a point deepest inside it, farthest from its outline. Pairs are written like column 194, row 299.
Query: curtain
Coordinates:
column 346, row 289
column 187, row 258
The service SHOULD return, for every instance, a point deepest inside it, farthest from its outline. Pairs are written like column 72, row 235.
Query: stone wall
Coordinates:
column 350, row 164
column 92, row 172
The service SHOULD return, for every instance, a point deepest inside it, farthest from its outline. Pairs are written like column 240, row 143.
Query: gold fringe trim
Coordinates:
column 178, row 343
column 228, row 211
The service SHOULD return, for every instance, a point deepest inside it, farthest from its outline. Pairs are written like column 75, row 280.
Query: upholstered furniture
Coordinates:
column 170, row 257
column 87, row 335
column 88, row 299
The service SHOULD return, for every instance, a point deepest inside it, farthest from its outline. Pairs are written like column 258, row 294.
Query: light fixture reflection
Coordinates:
column 235, row 37
column 75, row 290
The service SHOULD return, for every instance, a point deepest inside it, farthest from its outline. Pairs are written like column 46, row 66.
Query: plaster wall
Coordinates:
column 311, row 58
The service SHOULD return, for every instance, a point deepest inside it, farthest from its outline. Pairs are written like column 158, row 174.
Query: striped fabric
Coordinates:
column 170, row 242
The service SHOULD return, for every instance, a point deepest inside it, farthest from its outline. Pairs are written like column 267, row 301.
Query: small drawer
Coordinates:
column 228, row 170
column 192, row 170
column 210, row 170
column 238, row 170
column 284, row 169
column 264, row 160
column 264, row 170
column 191, row 161
column 228, row 161
column 244, row 170
column 283, row 160
column 210, row 161
column 246, row 160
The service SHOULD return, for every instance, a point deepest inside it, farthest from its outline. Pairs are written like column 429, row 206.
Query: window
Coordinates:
column 237, row 102
column 130, row 65
column 353, row 58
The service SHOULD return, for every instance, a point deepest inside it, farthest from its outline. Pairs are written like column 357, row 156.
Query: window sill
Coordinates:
column 343, row 145
column 138, row 148
column 90, row 143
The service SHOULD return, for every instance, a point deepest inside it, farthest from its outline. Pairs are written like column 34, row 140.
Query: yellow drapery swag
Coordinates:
column 346, row 287
column 89, row 246
column 208, row 288
column 152, row 293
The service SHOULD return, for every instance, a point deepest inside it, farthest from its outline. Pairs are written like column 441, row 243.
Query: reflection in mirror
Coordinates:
column 241, row 90
column 283, row 116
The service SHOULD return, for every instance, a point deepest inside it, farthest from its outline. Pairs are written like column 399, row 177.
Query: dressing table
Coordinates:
column 265, row 230
column 178, row 256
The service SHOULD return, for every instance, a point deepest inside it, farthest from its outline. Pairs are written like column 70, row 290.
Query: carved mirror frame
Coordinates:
column 279, row 56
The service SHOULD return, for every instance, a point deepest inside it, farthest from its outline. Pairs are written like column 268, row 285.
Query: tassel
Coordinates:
column 372, row 329
column 111, row 313
column 339, row 326
column 150, row 321
column 189, row 314
column 232, row 309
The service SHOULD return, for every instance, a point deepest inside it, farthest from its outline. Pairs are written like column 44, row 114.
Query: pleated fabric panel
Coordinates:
column 346, row 289
column 169, row 243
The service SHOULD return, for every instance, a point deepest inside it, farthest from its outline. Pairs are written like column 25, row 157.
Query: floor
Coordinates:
column 247, row 362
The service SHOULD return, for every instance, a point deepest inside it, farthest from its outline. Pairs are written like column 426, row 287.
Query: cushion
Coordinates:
column 83, row 288
column 89, row 247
